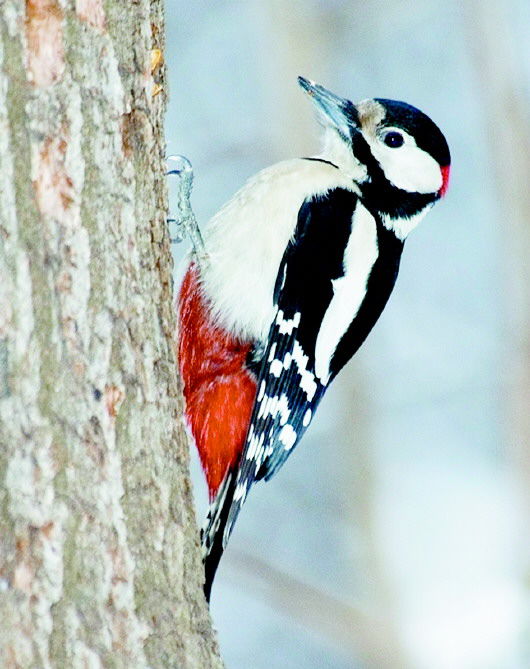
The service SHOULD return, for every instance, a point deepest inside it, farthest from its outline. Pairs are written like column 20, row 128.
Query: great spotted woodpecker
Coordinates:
column 299, row 266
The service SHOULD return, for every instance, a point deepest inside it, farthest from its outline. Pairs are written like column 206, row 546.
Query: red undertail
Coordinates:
column 218, row 389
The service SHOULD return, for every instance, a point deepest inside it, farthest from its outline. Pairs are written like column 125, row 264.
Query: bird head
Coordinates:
column 396, row 154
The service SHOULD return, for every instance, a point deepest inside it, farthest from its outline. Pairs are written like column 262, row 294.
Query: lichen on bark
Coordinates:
column 99, row 555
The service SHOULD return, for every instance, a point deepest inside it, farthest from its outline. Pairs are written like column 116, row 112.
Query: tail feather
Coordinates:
column 215, row 533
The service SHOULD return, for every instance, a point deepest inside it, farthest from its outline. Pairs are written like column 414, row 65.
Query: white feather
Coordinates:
column 407, row 167
column 246, row 240
column 402, row 227
column 340, row 153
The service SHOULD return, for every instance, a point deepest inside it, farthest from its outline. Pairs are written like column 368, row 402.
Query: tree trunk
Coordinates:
column 99, row 555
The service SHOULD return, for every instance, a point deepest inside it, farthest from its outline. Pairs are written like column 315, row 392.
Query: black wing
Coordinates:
column 288, row 388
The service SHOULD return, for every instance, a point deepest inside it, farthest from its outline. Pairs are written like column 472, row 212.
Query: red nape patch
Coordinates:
column 218, row 389
column 446, row 169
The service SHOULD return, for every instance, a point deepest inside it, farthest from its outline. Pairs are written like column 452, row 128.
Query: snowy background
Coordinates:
column 397, row 534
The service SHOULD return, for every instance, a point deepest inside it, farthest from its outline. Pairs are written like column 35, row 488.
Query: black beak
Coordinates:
column 336, row 111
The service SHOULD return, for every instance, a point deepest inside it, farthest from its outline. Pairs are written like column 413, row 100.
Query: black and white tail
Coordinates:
column 214, row 536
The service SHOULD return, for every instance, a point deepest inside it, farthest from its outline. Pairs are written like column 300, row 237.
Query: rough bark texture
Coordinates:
column 99, row 556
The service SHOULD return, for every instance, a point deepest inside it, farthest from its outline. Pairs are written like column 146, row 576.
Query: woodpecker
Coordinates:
column 298, row 267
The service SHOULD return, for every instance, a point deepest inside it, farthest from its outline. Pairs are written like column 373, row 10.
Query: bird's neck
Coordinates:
column 339, row 153
column 398, row 210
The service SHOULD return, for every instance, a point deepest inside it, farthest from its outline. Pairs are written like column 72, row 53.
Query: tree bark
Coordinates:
column 99, row 554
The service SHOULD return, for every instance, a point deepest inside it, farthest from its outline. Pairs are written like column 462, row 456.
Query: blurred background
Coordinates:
column 397, row 535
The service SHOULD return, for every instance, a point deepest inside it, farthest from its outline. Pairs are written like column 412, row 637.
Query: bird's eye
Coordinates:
column 393, row 139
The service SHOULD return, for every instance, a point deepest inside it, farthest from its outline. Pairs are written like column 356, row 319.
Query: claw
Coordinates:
column 185, row 223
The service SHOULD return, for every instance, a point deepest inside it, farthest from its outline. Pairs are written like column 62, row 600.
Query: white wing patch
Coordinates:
column 349, row 290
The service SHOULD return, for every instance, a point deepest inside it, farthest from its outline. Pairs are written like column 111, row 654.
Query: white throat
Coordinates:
column 340, row 153
column 402, row 227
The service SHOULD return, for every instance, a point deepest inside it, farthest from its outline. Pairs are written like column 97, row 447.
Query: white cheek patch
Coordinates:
column 407, row 167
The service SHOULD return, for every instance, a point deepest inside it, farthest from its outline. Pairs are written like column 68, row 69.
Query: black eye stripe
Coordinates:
column 393, row 139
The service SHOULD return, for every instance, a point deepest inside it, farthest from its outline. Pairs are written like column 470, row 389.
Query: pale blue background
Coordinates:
column 394, row 536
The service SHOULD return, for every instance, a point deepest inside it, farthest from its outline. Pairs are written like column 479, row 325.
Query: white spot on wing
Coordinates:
column 349, row 290
column 265, row 405
column 307, row 418
column 276, row 368
column 274, row 405
column 287, row 437
column 287, row 325
column 240, row 492
column 255, row 443
column 283, row 409
column 307, row 382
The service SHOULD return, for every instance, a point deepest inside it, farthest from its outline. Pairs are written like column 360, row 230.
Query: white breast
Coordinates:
column 349, row 290
column 247, row 238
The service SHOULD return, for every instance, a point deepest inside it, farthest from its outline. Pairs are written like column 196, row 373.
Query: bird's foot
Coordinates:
column 184, row 224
